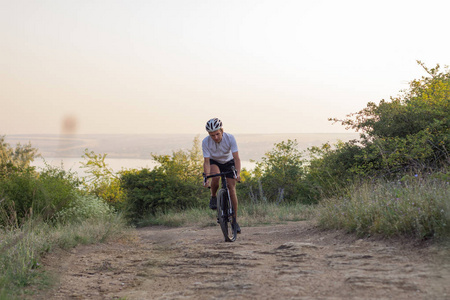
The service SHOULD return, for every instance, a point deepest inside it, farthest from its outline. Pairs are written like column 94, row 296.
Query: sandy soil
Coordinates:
column 290, row 261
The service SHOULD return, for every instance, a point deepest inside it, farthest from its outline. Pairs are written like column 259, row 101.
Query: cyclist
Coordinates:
column 220, row 153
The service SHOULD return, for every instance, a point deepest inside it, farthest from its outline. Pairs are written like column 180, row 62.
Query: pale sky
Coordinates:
column 167, row 66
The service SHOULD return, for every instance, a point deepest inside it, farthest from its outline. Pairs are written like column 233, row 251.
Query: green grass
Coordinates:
column 415, row 206
column 248, row 215
column 21, row 249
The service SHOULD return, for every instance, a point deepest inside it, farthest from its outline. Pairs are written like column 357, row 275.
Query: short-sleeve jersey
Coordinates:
column 221, row 152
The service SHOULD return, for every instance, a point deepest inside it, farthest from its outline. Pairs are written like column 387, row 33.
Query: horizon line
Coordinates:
column 80, row 134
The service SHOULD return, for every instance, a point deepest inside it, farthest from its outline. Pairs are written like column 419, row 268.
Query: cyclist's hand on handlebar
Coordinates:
column 205, row 181
column 238, row 178
column 237, row 175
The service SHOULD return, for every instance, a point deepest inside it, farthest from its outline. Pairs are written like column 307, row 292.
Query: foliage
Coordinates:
column 84, row 207
column 17, row 194
column 59, row 188
column 410, row 132
column 279, row 177
column 174, row 184
column 40, row 211
column 101, row 180
column 14, row 159
column 328, row 171
column 25, row 194
column 184, row 165
column 412, row 206
column 424, row 105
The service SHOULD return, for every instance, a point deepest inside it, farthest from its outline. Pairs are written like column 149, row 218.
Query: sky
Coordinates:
column 167, row 66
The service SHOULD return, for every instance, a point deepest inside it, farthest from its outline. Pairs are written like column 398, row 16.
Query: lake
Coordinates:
column 134, row 150
column 116, row 164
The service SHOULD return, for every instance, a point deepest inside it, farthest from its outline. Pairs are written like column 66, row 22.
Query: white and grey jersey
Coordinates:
column 221, row 152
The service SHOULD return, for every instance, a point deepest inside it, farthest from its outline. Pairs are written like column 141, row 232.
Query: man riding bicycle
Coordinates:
column 220, row 153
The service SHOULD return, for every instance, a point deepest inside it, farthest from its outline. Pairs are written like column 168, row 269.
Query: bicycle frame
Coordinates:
column 225, row 217
column 223, row 178
column 224, row 185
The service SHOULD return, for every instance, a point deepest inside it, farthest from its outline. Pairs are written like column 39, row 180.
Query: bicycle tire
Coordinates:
column 225, row 220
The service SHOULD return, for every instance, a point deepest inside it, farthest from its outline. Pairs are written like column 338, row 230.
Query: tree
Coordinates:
column 101, row 180
column 17, row 158
column 185, row 165
column 279, row 176
column 410, row 131
column 331, row 169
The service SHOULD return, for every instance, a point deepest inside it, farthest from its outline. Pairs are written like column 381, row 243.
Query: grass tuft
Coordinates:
column 418, row 207
column 22, row 248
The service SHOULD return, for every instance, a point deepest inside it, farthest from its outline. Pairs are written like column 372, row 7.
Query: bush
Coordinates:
column 26, row 193
column 279, row 177
column 17, row 196
column 332, row 169
column 173, row 185
column 58, row 189
column 152, row 191
column 84, row 207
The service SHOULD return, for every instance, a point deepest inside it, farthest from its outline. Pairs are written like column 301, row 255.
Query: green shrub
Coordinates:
column 17, row 195
column 332, row 169
column 84, row 207
column 58, row 189
column 279, row 177
column 152, row 191
column 173, row 185
column 26, row 193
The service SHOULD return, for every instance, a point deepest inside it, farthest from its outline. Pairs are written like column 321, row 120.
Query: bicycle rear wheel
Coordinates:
column 225, row 219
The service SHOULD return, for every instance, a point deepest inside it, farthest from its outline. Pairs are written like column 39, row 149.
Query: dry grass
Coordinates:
column 415, row 207
column 22, row 248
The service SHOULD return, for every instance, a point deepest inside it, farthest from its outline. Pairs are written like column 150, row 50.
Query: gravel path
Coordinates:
column 290, row 261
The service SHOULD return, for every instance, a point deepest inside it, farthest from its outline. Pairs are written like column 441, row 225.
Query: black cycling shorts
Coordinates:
column 226, row 167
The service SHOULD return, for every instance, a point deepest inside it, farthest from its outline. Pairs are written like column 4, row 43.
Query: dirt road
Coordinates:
column 291, row 261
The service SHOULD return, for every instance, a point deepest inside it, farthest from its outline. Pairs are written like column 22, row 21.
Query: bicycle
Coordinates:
column 225, row 211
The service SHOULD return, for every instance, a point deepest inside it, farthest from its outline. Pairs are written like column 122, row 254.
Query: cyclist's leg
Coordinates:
column 231, row 182
column 214, row 169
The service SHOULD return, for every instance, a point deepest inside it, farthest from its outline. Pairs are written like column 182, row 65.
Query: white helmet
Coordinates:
column 213, row 125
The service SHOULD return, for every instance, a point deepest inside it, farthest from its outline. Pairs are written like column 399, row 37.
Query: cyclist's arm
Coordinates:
column 206, row 166
column 237, row 164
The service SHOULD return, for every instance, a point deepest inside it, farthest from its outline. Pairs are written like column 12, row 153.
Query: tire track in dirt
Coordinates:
column 291, row 261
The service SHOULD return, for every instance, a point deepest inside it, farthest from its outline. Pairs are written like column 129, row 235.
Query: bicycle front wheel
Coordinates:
column 224, row 217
